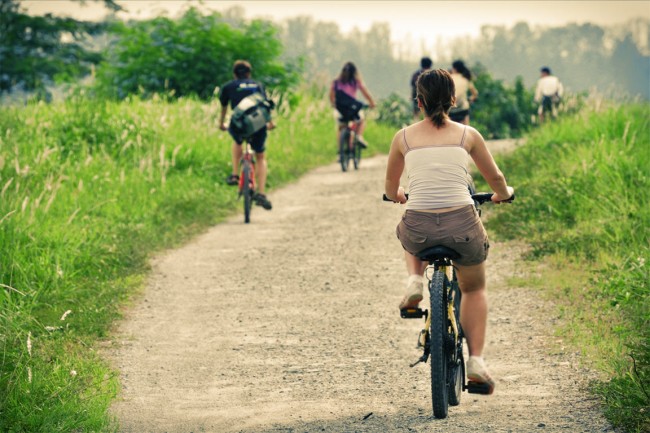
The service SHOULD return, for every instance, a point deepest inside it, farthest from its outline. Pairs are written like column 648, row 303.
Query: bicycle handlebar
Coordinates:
column 480, row 198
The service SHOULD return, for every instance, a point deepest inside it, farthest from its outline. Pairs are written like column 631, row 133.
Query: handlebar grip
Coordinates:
column 385, row 198
column 487, row 196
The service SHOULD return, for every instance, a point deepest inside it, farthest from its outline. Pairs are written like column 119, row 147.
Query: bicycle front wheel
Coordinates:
column 438, row 346
column 247, row 191
column 344, row 151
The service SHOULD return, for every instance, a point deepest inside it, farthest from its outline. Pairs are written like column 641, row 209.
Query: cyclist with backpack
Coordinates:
column 247, row 96
column 343, row 97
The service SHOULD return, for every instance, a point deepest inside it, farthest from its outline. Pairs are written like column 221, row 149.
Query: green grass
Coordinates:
column 88, row 190
column 583, row 204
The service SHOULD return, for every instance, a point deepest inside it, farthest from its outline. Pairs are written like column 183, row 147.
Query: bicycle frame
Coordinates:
column 247, row 158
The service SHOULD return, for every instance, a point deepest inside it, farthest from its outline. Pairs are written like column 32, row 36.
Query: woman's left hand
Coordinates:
column 401, row 195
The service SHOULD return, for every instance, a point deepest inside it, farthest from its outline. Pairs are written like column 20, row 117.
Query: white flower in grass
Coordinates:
column 65, row 314
column 73, row 373
column 29, row 374
column 29, row 343
column 52, row 328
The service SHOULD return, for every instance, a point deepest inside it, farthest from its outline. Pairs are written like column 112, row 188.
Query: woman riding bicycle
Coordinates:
column 344, row 90
column 463, row 82
column 440, row 210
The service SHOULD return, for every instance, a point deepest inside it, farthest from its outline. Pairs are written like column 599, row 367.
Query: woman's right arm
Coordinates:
column 488, row 168
column 394, row 170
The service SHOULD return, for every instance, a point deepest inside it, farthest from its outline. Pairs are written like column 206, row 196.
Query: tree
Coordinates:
column 190, row 56
column 35, row 51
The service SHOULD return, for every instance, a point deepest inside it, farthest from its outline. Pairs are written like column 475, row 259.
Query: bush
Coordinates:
column 395, row 111
column 582, row 194
column 190, row 56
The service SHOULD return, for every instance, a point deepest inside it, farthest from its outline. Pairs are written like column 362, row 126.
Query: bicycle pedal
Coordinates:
column 413, row 313
column 479, row 388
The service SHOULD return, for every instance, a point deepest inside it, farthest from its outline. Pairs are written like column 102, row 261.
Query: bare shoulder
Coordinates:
column 398, row 140
column 473, row 138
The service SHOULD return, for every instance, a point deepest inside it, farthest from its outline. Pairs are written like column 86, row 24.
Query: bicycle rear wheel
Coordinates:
column 344, row 151
column 438, row 346
column 357, row 155
column 456, row 363
column 247, row 191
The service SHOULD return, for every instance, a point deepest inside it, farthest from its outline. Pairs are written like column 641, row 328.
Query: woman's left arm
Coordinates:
column 473, row 91
column 394, row 170
column 366, row 94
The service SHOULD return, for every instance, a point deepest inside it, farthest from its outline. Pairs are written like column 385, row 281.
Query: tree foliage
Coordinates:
column 190, row 56
column 615, row 60
column 325, row 49
column 37, row 50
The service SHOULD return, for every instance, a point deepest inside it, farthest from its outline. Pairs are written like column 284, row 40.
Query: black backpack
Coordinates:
column 251, row 114
column 348, row 106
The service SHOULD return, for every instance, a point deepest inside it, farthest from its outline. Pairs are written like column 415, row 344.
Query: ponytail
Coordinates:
column 435, row 89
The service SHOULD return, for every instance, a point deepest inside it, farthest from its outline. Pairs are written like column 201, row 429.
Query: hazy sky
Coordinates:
column 409, row 20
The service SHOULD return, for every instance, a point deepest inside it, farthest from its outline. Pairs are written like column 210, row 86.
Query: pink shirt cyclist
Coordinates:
column 349, row 81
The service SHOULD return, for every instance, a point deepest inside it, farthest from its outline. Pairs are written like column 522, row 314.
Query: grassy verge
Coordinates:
column 582, row 202
column 88, row 190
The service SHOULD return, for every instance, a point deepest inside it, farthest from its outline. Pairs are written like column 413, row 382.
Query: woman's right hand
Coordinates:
column 496, row 198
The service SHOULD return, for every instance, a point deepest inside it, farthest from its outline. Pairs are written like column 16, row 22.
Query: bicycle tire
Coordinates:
column 457, row 362
column 247, row 191
column 438, row 346
column 344, row 149
column 357, row 155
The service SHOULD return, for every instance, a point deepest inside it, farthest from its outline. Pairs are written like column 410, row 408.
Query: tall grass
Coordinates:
column 88, row 189
column 583, row 198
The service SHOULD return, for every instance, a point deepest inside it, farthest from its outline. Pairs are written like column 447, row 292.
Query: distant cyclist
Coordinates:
column 425, row 64
column 463, row 81
column 233, row 92
column 344, row 91
column 548, row 93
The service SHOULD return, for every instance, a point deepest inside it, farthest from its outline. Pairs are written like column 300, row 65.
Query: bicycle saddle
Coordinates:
column 437, row 253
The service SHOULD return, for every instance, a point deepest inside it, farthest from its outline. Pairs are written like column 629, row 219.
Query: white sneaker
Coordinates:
column 478, row 372
column 413, row 294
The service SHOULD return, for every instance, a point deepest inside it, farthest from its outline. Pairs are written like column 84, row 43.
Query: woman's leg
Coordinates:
column 361, row 125
column 414, row 266
column 415, row 282
column 473, row 306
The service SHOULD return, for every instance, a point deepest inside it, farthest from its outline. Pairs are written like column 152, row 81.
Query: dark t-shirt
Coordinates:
column 236, row 90
column 414, row 79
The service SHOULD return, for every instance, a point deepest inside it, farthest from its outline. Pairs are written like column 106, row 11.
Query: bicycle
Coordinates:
column 349, row 145
column 247, row 180
column 442, row 336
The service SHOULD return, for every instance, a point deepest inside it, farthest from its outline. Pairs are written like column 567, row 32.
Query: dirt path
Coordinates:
column 290, row 324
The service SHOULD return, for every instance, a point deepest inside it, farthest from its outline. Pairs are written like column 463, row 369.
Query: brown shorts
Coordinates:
column 460, row 229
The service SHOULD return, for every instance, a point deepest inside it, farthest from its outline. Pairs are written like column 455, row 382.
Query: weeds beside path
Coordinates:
column 290, row 323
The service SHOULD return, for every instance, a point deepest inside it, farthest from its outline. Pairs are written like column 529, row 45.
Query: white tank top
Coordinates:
column 437, row 175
